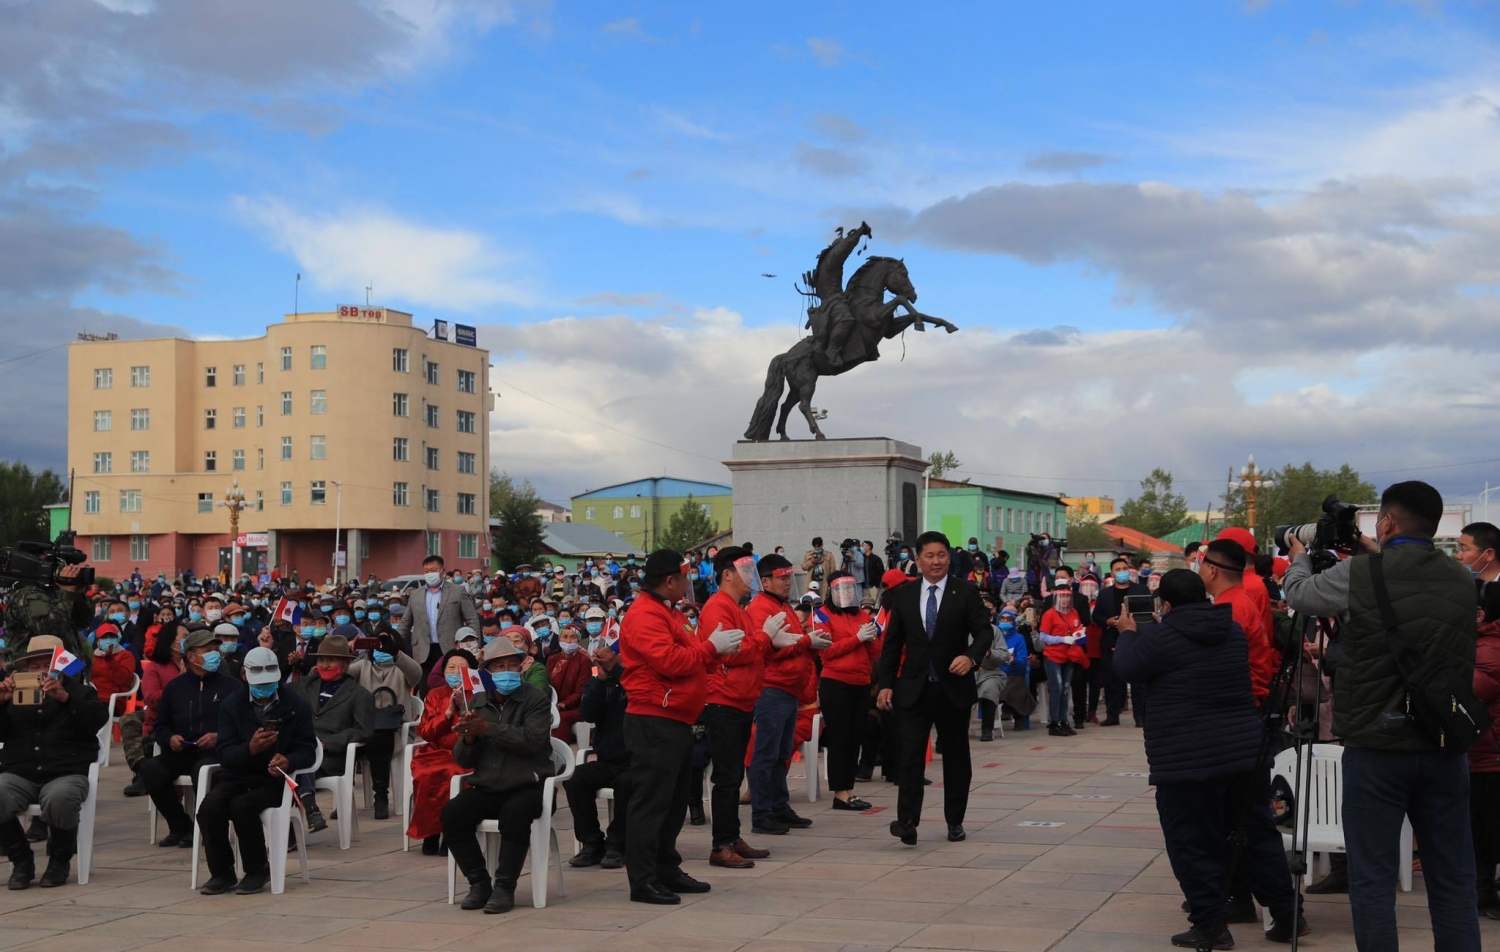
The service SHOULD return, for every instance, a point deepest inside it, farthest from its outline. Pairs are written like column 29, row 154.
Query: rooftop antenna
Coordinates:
column 297, row 295
column 368, row 288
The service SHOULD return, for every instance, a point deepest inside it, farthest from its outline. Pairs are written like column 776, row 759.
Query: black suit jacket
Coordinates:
column 963, row 627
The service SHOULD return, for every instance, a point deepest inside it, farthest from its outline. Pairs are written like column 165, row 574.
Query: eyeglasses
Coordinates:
column 259, row 669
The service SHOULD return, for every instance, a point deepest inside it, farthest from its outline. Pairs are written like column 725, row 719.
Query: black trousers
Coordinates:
column 515, row 809
column 1484, row 819
column 934, row 710
column 661, row 752
column 728, row 740
column 844, row 708
column 237, row 799
column 1114, row 685
column 378, row 751
column 1196, row 820
column 1087, row 684
column 583, row 801
column 874, row 734
column 434, row 658
column 158, row 773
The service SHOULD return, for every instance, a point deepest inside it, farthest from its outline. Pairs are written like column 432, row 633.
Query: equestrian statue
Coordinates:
column 848, row 324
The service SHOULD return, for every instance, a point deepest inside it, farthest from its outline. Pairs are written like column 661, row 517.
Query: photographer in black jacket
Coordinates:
column 603, row 705
column 1391, row 768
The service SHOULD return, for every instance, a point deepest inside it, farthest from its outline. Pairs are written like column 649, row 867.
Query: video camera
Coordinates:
column 37, row 563
column 1337, row 530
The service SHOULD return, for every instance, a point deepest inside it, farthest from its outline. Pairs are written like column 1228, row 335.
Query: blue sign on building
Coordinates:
column 465, row 335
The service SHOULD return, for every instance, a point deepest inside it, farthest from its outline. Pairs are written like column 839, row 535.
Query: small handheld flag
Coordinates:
column 286, row 611
column 64, row 662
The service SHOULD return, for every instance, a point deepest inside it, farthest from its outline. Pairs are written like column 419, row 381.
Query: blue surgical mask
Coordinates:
column 634, row 584
column 320, row 631
column 262, row 691
column 341, row 619
column 359, row 614
column 1007, row 626
column 238, row 621
column 613, row 613
column 506, row 682
column 542, row 634
column 384, row 657
column 594, row 627
column 973, row 547
column 195, row 616
column 489, row 607
column 454, row 679
column 117, row 617
column 108, row 644
column 568, row 647
column 134, row 606
column 229, row 647
column 211, row 662
column 1122, row 577
column 1145, row 571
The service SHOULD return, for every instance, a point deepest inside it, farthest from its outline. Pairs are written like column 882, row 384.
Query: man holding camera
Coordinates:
column 1393, row 766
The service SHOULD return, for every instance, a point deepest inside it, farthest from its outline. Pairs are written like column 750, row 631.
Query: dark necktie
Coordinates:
column 932, row 610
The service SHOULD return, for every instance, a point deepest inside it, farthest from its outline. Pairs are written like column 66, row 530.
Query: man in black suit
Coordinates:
column 939, row 630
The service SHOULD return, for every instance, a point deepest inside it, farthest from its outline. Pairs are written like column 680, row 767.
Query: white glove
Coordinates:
column 784, row 639
column 817, row 640
column 868, row 631
column 1070, row 640
column 726, row 641
column 774, row 626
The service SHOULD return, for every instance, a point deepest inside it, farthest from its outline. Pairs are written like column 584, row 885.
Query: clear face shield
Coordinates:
column 843, row 593
column 748, row 573
column 689, row 597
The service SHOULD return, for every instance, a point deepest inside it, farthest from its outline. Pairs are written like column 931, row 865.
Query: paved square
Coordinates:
column 1093, row 879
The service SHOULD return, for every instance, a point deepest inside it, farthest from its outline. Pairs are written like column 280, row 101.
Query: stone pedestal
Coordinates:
column 787, row 492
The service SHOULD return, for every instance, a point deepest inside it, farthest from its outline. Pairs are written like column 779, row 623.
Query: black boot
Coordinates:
column 1204, row 937
column 18, row 851
column 1337, row 880
column 479, row 890
column 986, row 721
column 60, row 849
column 382, row 801
column 507, row 871
column 433, row 846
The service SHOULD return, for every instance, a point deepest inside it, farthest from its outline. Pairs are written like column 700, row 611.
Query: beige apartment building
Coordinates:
column 351, row 420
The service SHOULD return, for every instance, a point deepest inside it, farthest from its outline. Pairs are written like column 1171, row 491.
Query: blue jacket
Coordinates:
column 1195, row 665
column 1016, row 642
column 190, row 705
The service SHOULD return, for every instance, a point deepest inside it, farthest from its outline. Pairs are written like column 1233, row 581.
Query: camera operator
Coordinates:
column 1392, row 768
column 817, row 562
column 874, row 570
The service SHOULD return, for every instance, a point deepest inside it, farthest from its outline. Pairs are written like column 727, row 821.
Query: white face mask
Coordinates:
column 433, row 579
column 213, row 614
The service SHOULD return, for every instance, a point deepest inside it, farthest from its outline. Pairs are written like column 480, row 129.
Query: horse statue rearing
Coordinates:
column 875, row 320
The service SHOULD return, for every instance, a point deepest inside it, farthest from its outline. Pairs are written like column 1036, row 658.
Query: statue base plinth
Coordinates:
column 785, row 493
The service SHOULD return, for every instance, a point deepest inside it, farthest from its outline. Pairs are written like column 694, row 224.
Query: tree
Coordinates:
column 22, row 496
column 1157, row 510
column 688, row 526
column 1296, row 497
column 519, row 530
column 1086, row 534
column 942, row 463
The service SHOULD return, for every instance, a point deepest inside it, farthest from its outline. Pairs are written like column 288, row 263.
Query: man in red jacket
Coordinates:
column 1223, row 573
column 1255, row 586
column 666, row 678
column 789, row 669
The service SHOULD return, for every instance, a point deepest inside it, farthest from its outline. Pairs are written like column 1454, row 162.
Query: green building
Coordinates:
column 638, row 512
column 998, row 518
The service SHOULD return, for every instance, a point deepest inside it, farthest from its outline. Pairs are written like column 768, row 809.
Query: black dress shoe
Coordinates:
column 768, row 826
column 502, row 900
column 218, row 885
column 1113, row 720
column 655, row 894
column 986, row 736
column 1199, row 937
column 479, row 894
column 853, row 803
column 906, row 831
column 613, row 859
column 683, row 883
column 695, row 814
column 956, row 833
column 1281, row 927
column 590, row 855
column 175, row 839
column 56, row 873
column 22, row 872
column 253, row 883
column 791, row 819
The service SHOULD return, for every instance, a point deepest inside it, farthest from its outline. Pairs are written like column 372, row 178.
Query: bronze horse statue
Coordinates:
column 876, row 320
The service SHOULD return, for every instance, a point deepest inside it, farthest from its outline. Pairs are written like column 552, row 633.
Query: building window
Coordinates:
column 260, row 457
column 320, row 356
column 104, row 420
column 238, row 418
column 140, row 419
column 466, row 504
column 400, row 362
column 286, row 448
column 364, row 545
column 467, row 381
column 588, row 513
column 260, row 416
column 399, row 404
column 318, row 447
column 635, row 512
column 239, row 375
column 210, row 461
column 238, row 461
column 286, row 358
column 104, row 378
column 434, row 543
column 466, row 462
column 399, row 449
column 210, row 419
column 430, row 371
column 205, row 502
column 91, row 503
column 260, row 372
column 140, row 461
column 466, row 421
column 432, row 415
column 140, row 548
column 398, row 494
column 140, row 376
column 468, row 545
column 320, row 401
column 618, row 512
column 103, row 463
column 286, row 403
column 286, row 494
column 260, row 500
column 319, row 495
column 101, row 548
column 432, row 500
column 432, row 457
column 130, row 500
column 210, row 376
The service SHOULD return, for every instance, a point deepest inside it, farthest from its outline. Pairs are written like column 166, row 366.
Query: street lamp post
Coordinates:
column 338, row 525
column 1252, row 480
column 234, row 501
column 1484, row 497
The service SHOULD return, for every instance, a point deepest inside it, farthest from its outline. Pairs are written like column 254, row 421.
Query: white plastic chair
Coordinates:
column 367, row 777
column 811, row 761
column 556, row 714
column 183, row 786
column 543, row 836
column 276, row 823
column 342, row 788
column 408, row 790
column 114, row 719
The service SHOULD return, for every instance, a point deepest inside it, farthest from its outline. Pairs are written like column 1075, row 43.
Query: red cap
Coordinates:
column 1279, row 566
column 893, row 577
column 1240, row 536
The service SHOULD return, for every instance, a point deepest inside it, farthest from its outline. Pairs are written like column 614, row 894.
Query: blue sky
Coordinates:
column 1261, row 226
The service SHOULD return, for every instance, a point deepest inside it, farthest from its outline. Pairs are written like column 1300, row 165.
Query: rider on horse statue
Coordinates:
column 827, row 280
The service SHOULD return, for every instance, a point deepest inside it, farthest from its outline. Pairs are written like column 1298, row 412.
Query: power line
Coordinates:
column 35, row 353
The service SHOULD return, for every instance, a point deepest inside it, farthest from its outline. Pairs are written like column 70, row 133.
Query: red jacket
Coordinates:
column 1263, row 660
column 1484, row 757
column 666, row 666
column 848, row 660
column 1058, row 625
column 787, row 669
column 735, row 679
column 113, row 673
column 567, row 674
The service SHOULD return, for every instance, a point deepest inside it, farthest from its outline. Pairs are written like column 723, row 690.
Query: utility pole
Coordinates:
column 234, row 501
column 1252, row 480
column 338, row 519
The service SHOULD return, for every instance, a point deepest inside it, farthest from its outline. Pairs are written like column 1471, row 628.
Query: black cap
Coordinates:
column 663, row 562
column 770, row 563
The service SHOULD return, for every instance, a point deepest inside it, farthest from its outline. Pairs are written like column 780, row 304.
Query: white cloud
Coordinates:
column 408, row 262
column 827, row 51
